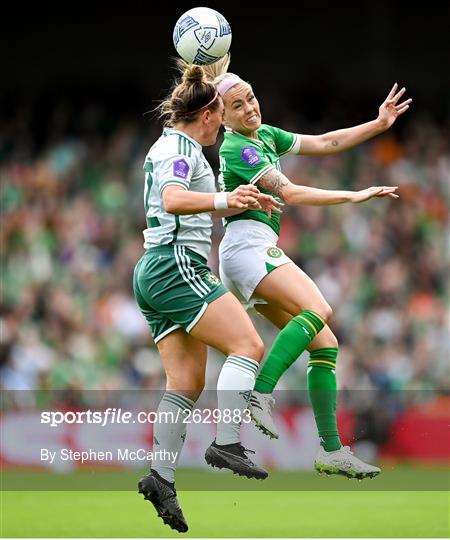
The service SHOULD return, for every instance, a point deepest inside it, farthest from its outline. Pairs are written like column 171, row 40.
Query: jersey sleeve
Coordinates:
column 245, row 160
column 175, row 170
column 285, row 142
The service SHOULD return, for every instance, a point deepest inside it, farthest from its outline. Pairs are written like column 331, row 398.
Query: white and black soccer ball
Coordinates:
column 202, row 36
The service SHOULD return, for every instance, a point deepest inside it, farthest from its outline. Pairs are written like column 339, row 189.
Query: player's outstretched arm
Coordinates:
column 343, row 139
column 277, row 183
column 376, row 191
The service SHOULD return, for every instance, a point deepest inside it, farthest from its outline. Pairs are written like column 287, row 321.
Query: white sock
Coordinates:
column 234, row 386
column 169, row 434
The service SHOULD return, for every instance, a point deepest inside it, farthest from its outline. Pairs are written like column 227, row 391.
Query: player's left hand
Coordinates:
column 374, row 191
column 267, row 203
column 390, row 109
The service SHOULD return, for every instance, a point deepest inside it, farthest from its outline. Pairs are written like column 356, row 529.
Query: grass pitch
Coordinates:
column 266, row 514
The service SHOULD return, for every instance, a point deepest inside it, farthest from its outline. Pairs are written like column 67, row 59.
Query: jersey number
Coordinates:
column 148, row 182
column 148, row 167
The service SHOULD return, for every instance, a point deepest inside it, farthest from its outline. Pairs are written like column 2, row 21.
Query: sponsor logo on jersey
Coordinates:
column 180, row 168
column 274, row 252
column 214, row 280
column 250, row 156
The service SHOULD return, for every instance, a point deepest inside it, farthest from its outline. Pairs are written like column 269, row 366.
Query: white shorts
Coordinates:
column 247, row 253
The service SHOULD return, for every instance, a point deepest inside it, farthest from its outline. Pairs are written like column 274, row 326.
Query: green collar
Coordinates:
column 232, row 132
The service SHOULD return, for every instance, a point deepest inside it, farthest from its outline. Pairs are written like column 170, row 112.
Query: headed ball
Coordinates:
column 202, row 36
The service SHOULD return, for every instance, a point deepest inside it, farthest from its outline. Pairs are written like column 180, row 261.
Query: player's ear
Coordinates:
column 206, row 116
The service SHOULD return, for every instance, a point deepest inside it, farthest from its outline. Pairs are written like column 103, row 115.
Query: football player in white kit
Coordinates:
column 185, row 304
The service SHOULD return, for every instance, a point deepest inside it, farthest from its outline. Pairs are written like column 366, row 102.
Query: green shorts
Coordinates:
column 173, row 287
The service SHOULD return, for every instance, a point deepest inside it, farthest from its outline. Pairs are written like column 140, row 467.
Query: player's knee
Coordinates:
column 332, row 342
column 325, row 311
column 197, row 389
column 251, row 347
column 190, row 386
column 195, row 394
column 257, row 348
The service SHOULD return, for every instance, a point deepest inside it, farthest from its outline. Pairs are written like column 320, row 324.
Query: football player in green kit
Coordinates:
column 261, row 275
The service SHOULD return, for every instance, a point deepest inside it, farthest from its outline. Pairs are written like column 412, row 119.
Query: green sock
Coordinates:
column 323, row 395
column 287, row 347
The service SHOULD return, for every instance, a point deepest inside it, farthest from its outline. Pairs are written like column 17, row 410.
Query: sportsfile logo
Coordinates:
column 118, row 416
column 111, row 415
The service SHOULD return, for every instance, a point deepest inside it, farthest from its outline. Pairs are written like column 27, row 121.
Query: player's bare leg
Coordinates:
column 288, row 290
column 228, row 328
column 184, row 360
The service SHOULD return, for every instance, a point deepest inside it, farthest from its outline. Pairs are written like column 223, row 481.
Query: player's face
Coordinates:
column 242, row 112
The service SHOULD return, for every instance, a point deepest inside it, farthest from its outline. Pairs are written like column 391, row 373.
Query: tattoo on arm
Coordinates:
column 273, row 181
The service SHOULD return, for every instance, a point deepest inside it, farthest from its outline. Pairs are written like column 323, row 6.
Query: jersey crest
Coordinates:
column 214, row 280
column 274, row 252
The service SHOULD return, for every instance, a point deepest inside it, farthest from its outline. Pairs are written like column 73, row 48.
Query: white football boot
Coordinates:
column 261, row 407
column 343, row 462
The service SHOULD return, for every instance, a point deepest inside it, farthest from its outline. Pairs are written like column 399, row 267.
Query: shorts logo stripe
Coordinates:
column 191, row 272
column 197, row 277
column 186, row 278
column 188, row 273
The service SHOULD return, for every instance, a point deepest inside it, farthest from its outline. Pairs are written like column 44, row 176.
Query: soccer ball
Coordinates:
column 202, row 36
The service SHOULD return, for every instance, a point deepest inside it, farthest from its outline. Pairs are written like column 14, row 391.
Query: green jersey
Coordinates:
column 245, row 161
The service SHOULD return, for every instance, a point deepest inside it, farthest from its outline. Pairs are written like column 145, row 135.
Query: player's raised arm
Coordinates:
column 343, row 139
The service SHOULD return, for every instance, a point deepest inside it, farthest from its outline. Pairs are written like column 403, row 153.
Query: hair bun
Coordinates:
column 193, row 74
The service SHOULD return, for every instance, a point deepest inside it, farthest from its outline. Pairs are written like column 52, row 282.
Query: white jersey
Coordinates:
column 176, row 160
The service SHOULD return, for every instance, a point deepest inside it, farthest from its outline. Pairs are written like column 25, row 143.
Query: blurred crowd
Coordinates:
column 71, row 232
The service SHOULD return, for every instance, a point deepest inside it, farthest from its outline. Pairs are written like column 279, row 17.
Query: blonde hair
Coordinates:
column 219, row 70
column 192, row 93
